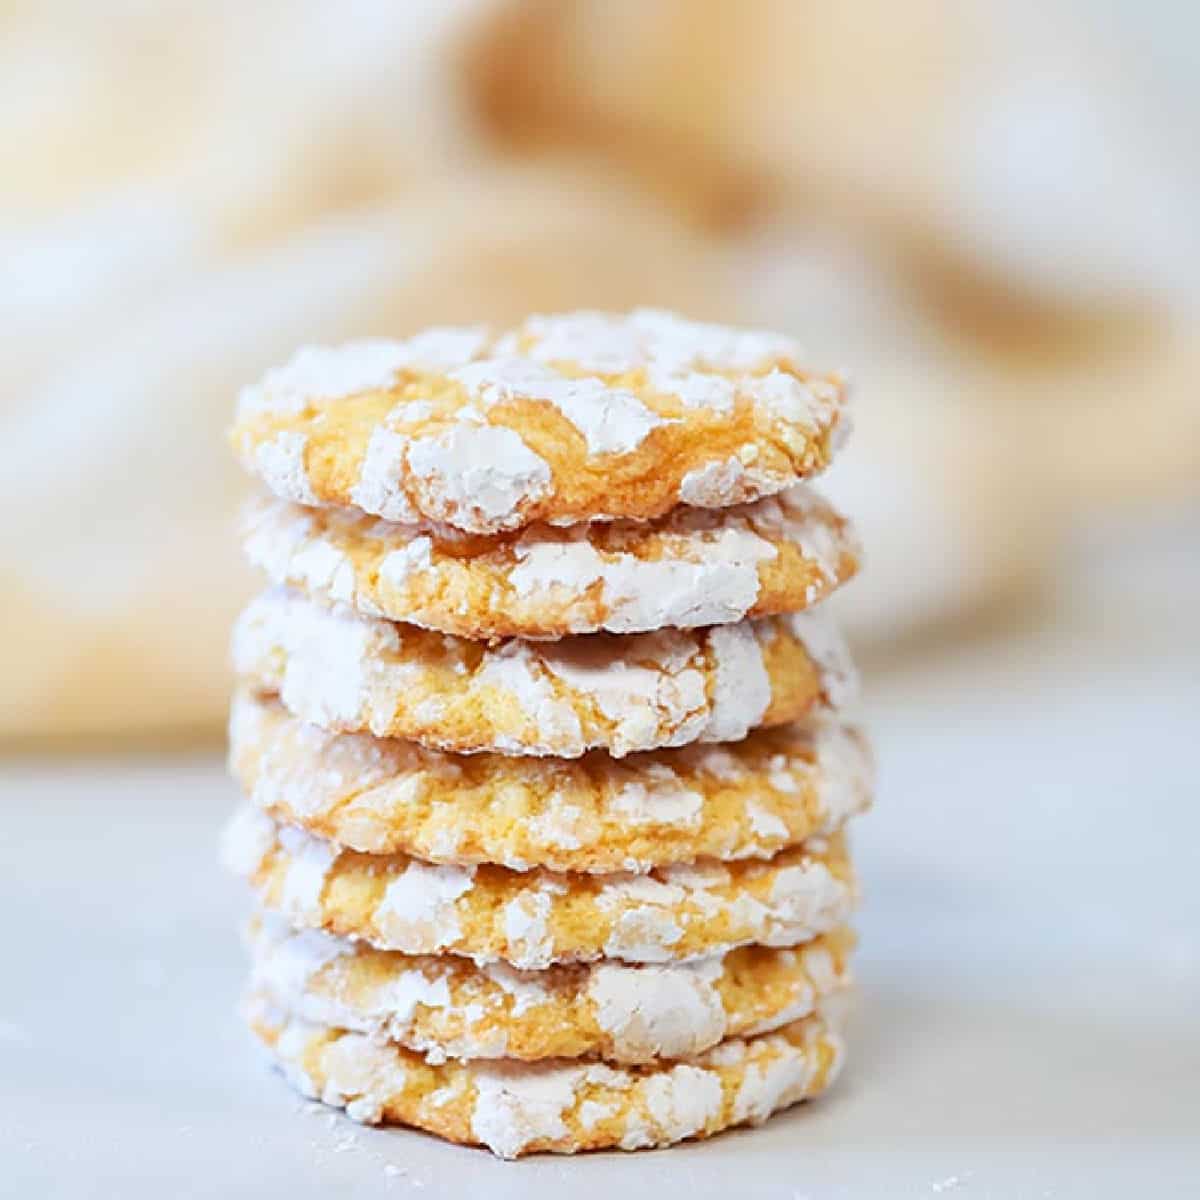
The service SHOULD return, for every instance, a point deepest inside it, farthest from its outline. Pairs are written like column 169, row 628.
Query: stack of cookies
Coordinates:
column 537, row 728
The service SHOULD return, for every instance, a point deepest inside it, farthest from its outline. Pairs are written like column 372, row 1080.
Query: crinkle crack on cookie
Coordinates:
column 517, row 1108
column 447, row 1007
column 342, row 670
column 690, row 568
column 567, row 419
column 748, row 799
column 534, row 918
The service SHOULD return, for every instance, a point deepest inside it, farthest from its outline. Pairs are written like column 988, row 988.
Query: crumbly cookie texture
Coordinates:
column 447, row 1007
column 622, row 693
column 516, row 1108
column 534, row 918
column 748, row 799
column 566, row 419
column 690, row 568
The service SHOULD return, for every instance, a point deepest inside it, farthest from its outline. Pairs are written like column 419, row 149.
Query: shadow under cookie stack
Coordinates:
column 538, row 730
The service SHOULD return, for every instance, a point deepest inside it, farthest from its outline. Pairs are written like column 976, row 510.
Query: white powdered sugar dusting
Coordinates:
column 378, row 489
column 279, row 461
column 323, row 373
column 309, row 860
column 528, row 989
column 683, row 1100
column 405, row 992
column 517, row 1104
column 766, row 1086
column 418, row 906
column 742, row 688
column 643, row 935
column 480, row 476
column 611, row 420
column 765, row 824
column 639, row 700
column 361, row 1076
column 652, row 1011
column 286, row 961
column 246, row 840
column 791, row 400
column 334, row 659
column 658, row 798
column 719, row 585
column 405, row 561
column 726, row 482
column 526, row 926
column 714, row 392
column 826, row 647
column 807, row 897
column 845, row 772
column 332, row 372
column 514, row 668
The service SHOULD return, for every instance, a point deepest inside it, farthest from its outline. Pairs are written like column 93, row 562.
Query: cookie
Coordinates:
column 622, row 693
column 566, row 419
column 693, row 567
column 516, row 1108
column 534, row 918
column 748, row 799
column 447, row 1007
column 690, row 568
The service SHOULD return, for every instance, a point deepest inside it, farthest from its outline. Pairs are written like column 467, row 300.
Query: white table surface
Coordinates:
column 1030, row 967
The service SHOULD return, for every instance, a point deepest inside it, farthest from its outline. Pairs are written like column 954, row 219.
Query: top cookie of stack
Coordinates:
column 547, row 549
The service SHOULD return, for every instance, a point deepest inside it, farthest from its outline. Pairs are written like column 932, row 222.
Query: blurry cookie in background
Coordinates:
column 265, row 116
column 1009, row 145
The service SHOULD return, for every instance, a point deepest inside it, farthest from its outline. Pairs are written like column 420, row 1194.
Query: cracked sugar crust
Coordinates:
column 565, row 419
column 534, row 918
column 690, row 568
column 748, row 799
column 622, row 693
column 562, row 1105
column 447, row 1007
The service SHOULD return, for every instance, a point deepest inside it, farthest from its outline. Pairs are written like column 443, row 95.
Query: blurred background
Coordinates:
column 986, row 212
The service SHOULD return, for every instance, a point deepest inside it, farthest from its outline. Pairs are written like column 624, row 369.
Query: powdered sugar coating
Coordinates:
column 824, row 641
column 531, row 919
column 611, row 420
column 342, row 670
column 493, row 433
column 327, row 372
column 280, row 461
column 515, row 1108
column 593, row 814
column 485, row 474
column 418, row 904
column 658, row 1011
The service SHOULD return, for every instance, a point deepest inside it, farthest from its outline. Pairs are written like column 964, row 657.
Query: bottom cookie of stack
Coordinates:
column 556, row 1105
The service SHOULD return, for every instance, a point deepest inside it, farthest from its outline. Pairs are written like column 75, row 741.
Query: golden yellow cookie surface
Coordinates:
column 521, row 1108
column 565, row 419
column 447, row 1007
column 534, row 918
column 691, row 568
column 748, row 799
column 622, row 693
